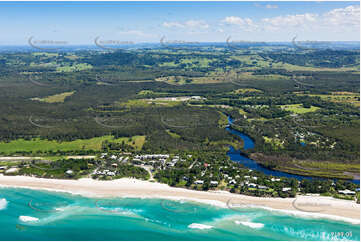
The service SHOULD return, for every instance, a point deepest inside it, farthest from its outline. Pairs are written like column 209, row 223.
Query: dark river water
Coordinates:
column 236, row 156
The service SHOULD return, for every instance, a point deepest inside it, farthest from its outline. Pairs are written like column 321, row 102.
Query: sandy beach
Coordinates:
column 314, row 206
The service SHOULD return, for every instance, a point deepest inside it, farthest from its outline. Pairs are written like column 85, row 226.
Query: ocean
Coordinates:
column 27, row 214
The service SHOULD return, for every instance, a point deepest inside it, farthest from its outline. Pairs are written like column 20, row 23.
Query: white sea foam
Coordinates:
column 199, row 226
column 204, row 201
column 28, row 219
column 3, row 203
column 250, row 224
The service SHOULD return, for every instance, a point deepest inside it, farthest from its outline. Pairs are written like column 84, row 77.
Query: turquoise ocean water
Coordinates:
column 41, row 215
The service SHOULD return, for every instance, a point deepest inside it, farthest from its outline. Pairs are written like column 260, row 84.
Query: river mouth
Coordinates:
column 237, row 156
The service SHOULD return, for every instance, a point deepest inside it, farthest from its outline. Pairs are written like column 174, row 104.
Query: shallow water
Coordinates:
column 62, row 216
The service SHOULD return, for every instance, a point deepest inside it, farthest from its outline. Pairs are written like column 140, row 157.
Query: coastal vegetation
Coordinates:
column 301, row 109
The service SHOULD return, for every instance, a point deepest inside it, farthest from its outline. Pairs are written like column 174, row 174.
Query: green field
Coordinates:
column 298, row 108
column 339, row 97
column 76, row 67
column 57, row 98
column 21, row 145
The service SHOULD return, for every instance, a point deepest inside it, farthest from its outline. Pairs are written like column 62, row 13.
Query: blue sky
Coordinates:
column 82, row 22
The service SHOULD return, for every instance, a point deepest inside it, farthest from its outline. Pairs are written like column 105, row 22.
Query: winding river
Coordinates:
column 236, row 156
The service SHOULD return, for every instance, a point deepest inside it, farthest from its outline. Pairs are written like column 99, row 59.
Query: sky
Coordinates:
column 76, row 23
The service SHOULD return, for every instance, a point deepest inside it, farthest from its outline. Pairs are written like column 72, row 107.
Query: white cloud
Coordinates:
column 173, row 24
column 270, row 6
column 343, row 17
column 297, row 20
column 243, row 23
column 187, row 24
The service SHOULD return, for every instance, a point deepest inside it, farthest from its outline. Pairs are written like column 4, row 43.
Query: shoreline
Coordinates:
column 326, row 207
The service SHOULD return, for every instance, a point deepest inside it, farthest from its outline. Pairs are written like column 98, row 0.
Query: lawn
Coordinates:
column 21, row 145
column 76, row 67
column 339, row 97
column 298, row 108
column 57, row 98
column 173, row 135
column 273, row 141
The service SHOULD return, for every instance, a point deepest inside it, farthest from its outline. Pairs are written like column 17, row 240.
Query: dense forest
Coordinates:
column 301, row 107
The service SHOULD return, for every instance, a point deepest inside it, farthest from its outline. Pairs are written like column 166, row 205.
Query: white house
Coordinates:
column 286, row 189
column 347, row 192
column 199, row 182
column 252, row 185
column 275, row 179
column 214, row 183
column 69, row 172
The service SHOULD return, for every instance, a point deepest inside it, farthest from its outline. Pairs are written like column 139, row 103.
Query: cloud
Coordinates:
column 270, row 6
column 193, row 24
column 173, row 24
column 243, row 23
column 343, row 17
column 297, row 20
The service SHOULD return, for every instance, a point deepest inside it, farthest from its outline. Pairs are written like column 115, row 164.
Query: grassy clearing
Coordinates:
column 45, row 54
column 57, row 98
column 314, row 173
column 173, row 134
column 21, row 145
column 298, row 108
column 148, row 103
column 241, row 111
column 342, row 167
column 275, row 142
column 339, row 97
column 76, row 67
column 223, row 121
column 245, row 90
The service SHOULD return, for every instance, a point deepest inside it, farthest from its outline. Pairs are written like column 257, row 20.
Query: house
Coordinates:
column 275, row 179
column 12, row 170
column 114, row 165
column 232, row 182
column 247, row 177
column 347, row 192
column 113, row 157
column 255, row 178
column 69, row 172
column 262, row 187
column 252, row 185
column 2, row 167
column 199, row 182
column 214, row 183
column 110, row 173
column 286, row 189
